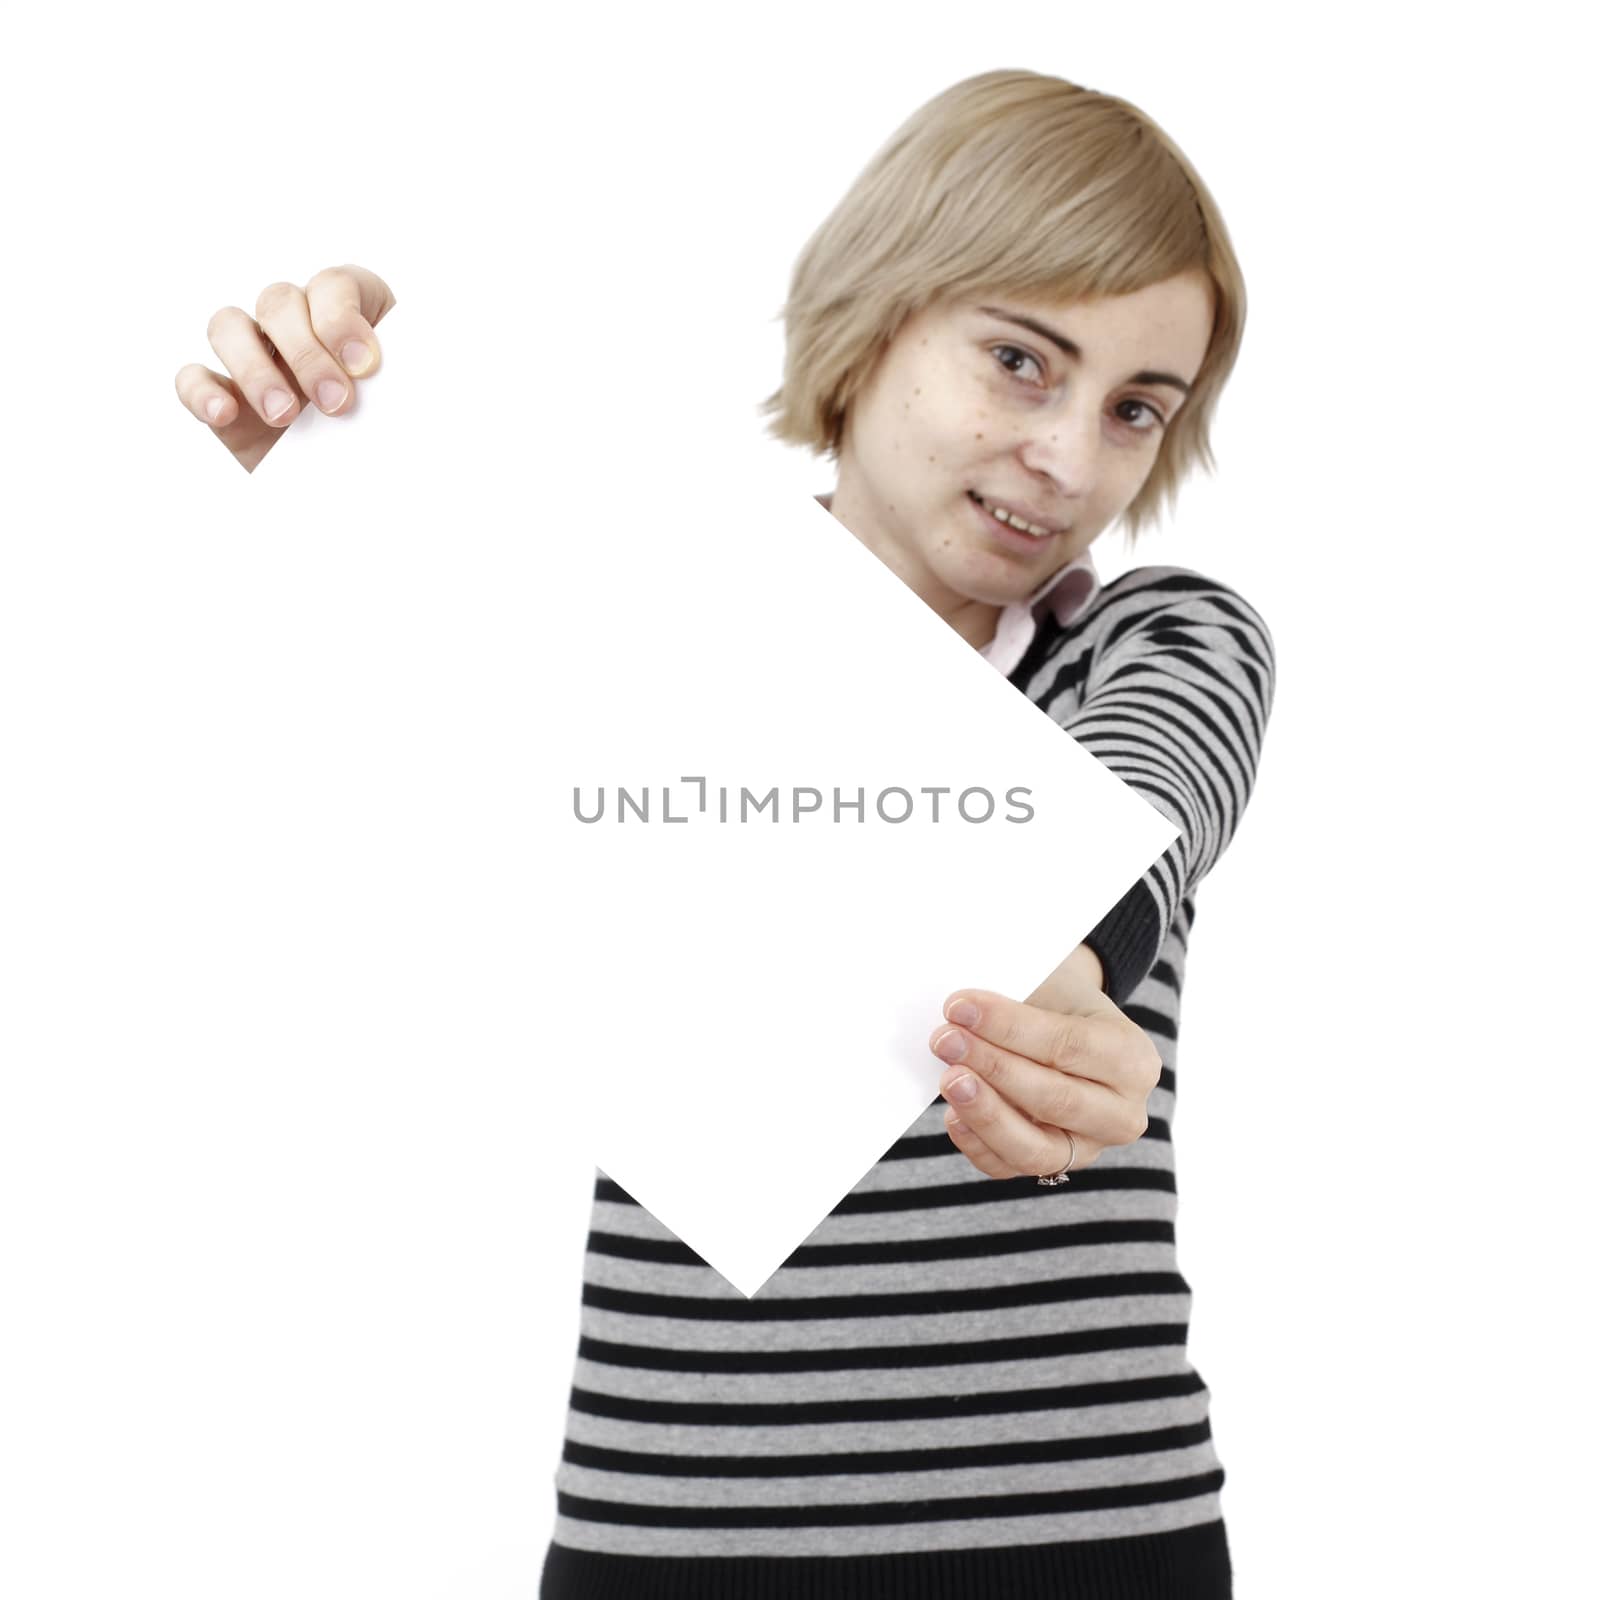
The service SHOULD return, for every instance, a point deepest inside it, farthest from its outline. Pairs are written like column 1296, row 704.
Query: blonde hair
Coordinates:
column 1007, row 183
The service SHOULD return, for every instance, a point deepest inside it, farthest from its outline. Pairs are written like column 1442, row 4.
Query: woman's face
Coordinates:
column 1052, row 414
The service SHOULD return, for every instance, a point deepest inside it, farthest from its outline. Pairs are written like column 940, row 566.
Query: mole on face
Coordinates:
column 977, row 436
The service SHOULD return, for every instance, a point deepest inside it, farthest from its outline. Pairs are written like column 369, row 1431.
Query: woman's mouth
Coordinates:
column 1011, row 528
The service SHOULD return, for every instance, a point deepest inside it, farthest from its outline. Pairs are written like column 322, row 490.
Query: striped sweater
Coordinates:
column 956, row 1386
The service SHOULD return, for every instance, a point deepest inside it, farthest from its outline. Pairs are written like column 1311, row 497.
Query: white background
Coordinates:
column 329, row 1355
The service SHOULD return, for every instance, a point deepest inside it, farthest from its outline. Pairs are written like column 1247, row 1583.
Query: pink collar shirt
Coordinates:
column 1068, row 592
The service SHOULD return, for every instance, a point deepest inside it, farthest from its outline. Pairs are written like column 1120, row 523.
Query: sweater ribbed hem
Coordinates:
column 1127, row 939
column 1186, row 1564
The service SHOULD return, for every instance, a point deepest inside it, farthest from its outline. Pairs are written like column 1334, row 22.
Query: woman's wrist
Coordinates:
column 1083, row 961
column 1081, row 969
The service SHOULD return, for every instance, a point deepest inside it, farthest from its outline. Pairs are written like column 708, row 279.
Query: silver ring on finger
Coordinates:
column 1053, row 1180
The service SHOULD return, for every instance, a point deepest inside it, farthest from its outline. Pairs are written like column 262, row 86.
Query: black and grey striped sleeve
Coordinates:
column 1175, row 690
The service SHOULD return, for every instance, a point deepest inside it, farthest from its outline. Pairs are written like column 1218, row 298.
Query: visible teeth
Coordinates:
column 1012, row 520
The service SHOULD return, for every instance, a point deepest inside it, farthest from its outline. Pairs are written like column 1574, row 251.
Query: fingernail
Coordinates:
column 962, row 1090
column 357, row 357
column 330, row 394
column 955, row 1124
column 964, row 1012
column 951, row 1045
column 214, row 406
column 277, row 401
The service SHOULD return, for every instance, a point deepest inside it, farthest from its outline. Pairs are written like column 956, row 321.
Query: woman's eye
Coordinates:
column 1013, row 360
column 1140, row 416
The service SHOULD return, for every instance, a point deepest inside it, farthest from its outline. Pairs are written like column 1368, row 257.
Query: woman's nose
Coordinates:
column 1065, row 449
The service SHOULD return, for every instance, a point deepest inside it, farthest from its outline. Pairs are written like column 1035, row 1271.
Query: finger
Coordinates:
column 285, row 319
column 262, row 382
column 1082, row 1152
column 974, row 1149
column 345, row 303
column 1045, row 1094
column 214, row 399
column 1103, row 1044
column 237, row 425
column 1014, row 1139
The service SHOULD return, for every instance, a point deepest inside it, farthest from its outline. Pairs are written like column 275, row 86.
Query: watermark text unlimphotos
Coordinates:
column 723, row 803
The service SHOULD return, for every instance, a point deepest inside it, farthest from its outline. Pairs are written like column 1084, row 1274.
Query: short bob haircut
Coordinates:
column 1007, row 183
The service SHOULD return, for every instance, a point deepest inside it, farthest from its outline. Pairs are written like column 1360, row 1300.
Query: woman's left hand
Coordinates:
column 1066, row 1058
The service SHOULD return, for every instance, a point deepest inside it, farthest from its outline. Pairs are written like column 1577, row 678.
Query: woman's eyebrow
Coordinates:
column 1067, row 347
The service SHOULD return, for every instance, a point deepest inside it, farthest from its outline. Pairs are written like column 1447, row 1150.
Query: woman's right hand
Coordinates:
column 303, row 346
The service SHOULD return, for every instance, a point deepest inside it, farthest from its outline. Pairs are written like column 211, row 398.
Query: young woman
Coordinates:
column 971, row 1379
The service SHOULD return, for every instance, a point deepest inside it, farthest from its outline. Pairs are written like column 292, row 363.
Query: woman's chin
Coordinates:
column 993, row 579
